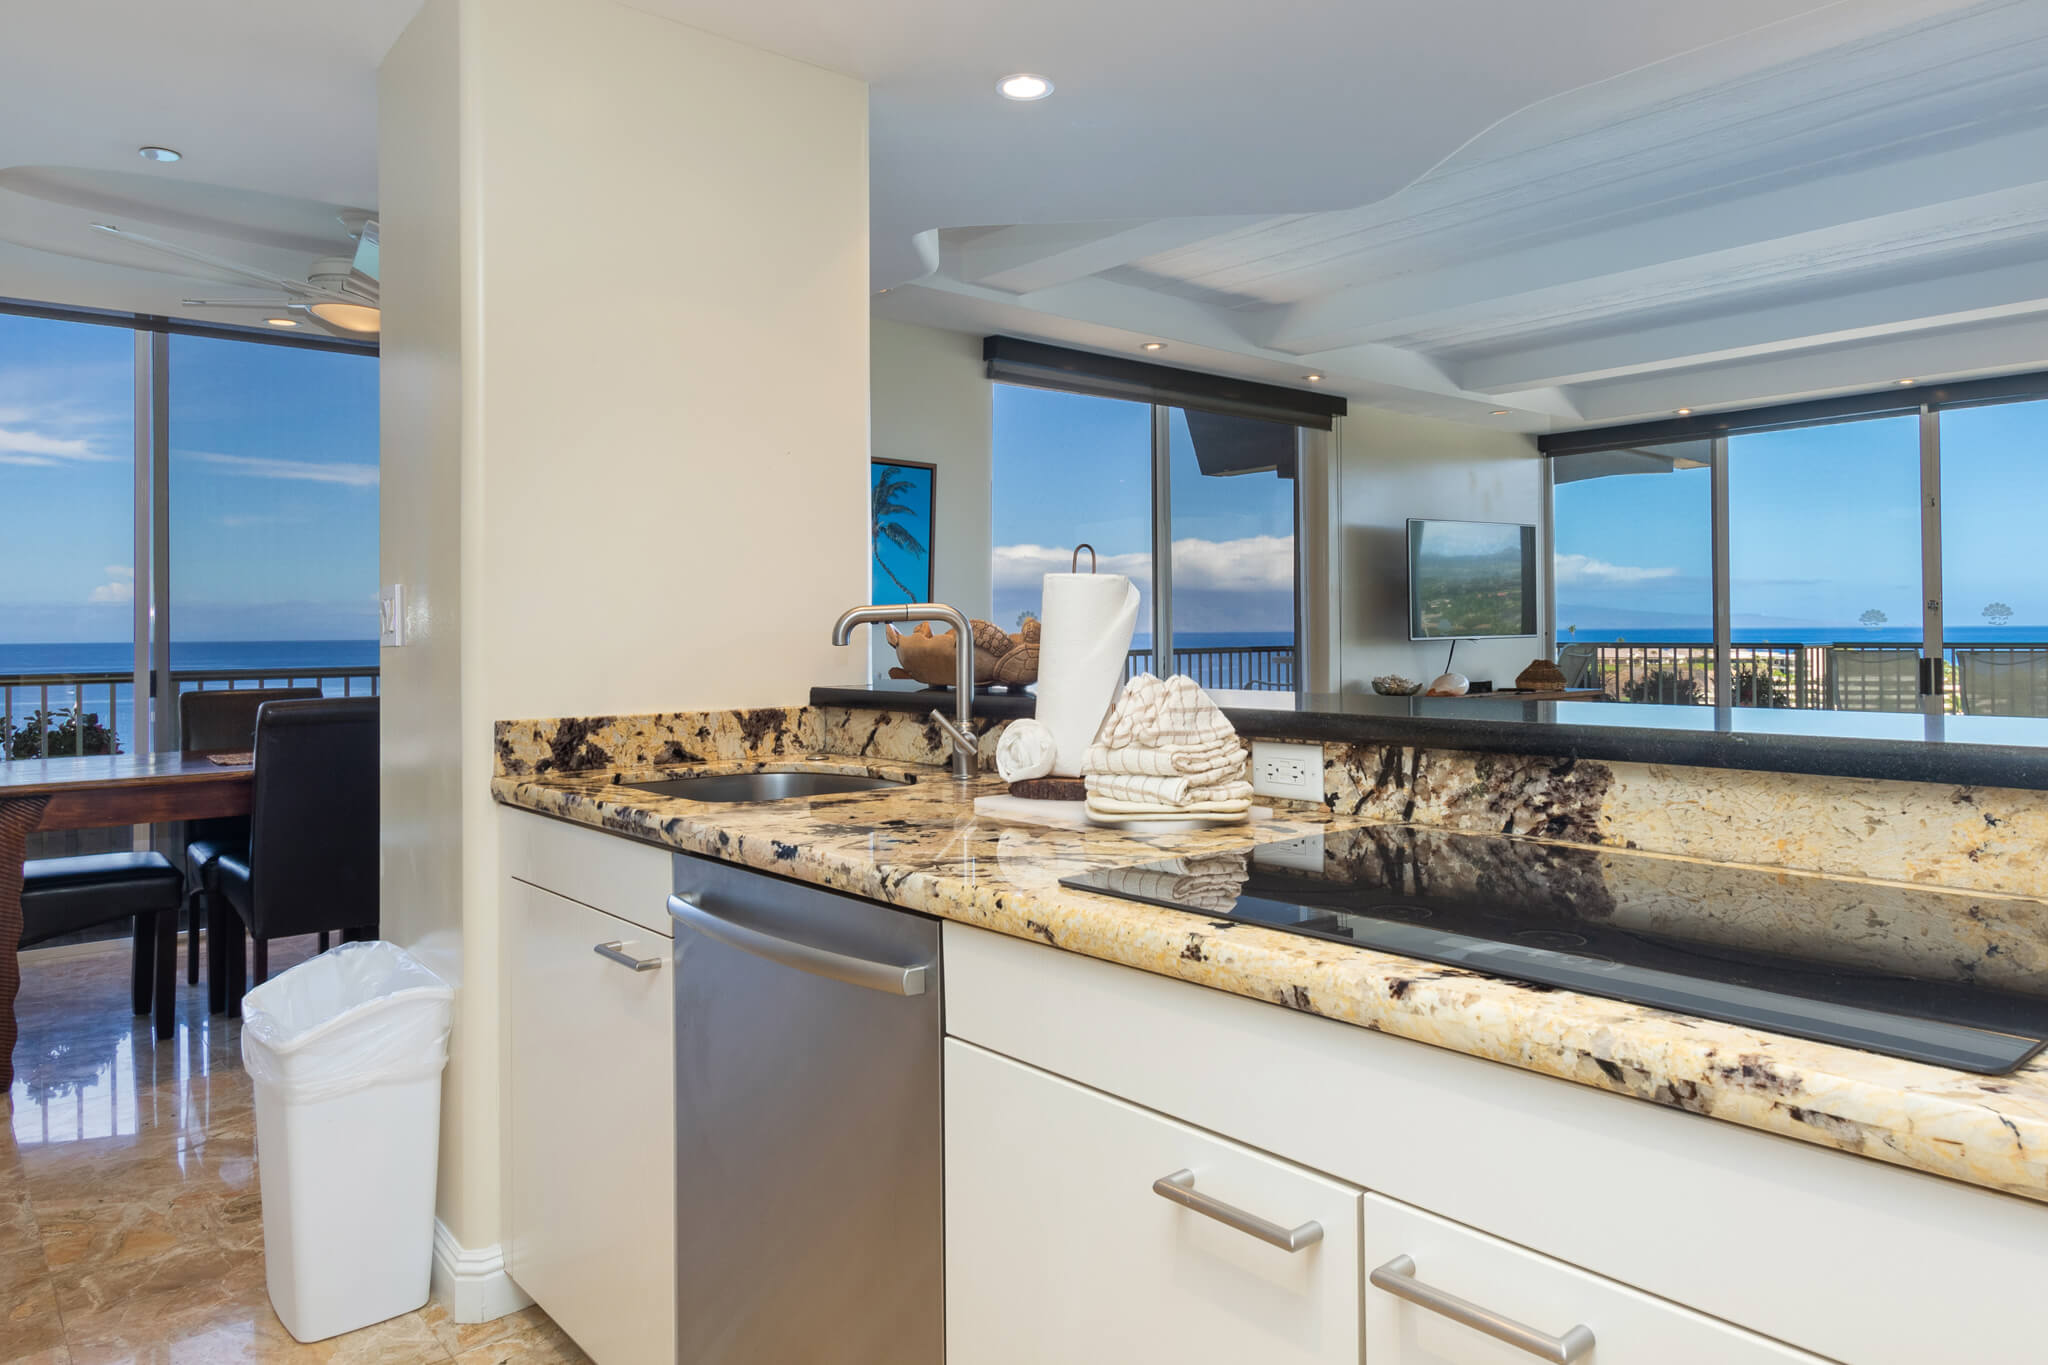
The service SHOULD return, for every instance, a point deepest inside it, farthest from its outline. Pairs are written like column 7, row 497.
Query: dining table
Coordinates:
column 91, row 791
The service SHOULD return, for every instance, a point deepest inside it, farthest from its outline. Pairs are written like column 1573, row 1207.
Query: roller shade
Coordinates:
column 1014, row 361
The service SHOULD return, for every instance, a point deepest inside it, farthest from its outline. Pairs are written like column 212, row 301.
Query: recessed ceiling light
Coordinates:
column 281, row 322
column 1024, row 86
column 1905, row 381
column 158, row 154
column 1313, row 378
column 1155, row 345
column 1500, row 412
column 1685, row 412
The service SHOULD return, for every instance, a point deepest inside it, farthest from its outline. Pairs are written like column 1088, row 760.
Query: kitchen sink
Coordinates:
column 732, row 787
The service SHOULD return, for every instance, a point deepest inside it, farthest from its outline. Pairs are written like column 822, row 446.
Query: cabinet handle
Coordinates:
column 885, row 977
column 1180, row 1188
column 614, row 951
column 1397, row 1277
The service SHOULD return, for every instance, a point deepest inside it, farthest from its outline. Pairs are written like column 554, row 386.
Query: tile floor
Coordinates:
column 130, row 1224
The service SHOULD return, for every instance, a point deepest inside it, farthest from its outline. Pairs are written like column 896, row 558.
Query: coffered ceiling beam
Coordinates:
column 1793, row 231
column 1840, row 318
column 1025, row 259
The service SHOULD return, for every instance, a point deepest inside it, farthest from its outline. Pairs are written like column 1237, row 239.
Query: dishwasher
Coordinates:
column 809, row 1143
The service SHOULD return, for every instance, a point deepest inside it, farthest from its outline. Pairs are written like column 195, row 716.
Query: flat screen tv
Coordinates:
column 1470, row 580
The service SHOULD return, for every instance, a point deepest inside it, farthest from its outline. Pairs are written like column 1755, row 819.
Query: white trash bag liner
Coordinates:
column 360, row 1015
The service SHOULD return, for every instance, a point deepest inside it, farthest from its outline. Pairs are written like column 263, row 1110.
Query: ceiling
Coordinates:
column 1454, row 208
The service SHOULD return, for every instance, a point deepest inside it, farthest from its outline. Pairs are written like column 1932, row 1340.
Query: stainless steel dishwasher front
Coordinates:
column 809, row 1144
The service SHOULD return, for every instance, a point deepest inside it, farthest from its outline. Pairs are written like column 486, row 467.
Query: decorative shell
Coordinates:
column 999, row 659
column 1394, row 685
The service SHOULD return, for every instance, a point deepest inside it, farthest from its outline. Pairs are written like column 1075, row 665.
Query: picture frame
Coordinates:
column 902, row 516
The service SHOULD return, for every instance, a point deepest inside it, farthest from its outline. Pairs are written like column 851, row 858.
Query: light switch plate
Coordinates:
column 391, row 616
column 1293, row 771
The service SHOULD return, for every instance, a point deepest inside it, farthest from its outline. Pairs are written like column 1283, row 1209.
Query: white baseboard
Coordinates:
column 471, row 1283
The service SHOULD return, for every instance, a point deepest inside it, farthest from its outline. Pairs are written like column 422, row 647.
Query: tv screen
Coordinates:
column 1470, row 580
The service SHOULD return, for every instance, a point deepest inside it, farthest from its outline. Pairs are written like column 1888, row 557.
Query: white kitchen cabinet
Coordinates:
column 590, row 1132
column 1430, row 1258
column 1059, row 1248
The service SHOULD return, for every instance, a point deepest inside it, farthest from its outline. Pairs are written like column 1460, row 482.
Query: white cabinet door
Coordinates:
column 591, row 1126
column 1058, row 1247
column 1522, row 1291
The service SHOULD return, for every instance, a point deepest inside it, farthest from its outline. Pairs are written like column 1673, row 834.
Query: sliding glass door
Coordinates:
column 1824, row 555
column 1198, row 509
column 1994, row 509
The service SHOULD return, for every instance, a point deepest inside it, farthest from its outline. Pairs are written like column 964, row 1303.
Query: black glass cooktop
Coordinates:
column 1950, row 978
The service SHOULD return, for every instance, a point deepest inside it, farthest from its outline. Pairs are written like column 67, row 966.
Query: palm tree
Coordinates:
column 1998, row 613
column 883, row 506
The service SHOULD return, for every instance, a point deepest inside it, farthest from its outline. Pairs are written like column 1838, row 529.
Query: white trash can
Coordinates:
column 346, row 1052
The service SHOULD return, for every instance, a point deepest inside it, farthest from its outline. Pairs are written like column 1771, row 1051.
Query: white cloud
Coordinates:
column 1576, row 569
column 119, row 587
column 33, row 447
column 1251, row 564
column 263, row 467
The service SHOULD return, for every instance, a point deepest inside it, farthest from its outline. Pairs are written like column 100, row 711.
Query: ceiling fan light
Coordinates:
column 350, row 317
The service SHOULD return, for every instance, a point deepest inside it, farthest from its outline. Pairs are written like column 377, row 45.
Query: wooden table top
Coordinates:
column 51, row 776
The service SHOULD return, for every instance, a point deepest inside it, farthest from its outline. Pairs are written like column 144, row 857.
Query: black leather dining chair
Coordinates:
column 64, row 895
column 222, row 720
column 311, row 863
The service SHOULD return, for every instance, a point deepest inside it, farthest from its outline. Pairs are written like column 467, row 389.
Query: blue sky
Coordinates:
column 1823, row 526
column 273, row 488
column 1072, row 468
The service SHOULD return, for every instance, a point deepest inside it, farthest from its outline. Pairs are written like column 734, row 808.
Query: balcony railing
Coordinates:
column 48, row 715
column 2007, row 678
column 1262, row 668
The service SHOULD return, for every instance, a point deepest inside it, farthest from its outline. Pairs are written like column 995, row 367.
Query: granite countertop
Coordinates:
column 1984, row 751
column 922, row 847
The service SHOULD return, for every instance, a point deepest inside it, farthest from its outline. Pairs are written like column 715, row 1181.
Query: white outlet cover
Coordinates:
column 1293, row 771
column 1302, row 855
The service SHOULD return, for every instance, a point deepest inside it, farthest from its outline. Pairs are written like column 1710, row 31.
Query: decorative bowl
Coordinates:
column 1394, row 685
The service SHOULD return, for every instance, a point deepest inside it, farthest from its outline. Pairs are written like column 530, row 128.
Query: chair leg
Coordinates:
column 235, row 945
column 195, row 906
column 217, row 935
column 144, row 973
column 166, row 973
column 262, row 954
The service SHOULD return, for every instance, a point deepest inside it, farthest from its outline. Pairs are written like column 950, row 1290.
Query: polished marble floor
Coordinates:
column 130, row 1224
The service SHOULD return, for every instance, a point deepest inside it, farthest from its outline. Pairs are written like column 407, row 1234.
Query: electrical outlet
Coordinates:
column 1300, row 855
column 1293, row 771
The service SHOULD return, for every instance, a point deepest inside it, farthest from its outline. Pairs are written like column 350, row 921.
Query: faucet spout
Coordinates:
column 960, row 729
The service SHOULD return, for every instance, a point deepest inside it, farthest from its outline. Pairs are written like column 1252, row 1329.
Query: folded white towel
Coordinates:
column 1154, row 714
column 1223, row 759
column 1168, row 791
column 1104, row 805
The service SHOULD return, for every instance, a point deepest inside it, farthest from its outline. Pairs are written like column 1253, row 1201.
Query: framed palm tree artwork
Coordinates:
column 900, row 505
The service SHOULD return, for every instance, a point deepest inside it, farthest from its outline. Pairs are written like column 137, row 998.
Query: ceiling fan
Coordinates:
column 339, row 294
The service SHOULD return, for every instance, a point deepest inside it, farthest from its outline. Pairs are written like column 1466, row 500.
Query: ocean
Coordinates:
column 297, row 662
column 1843, row 635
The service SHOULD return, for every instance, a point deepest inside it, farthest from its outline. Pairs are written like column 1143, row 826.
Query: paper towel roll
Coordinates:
column 1084, row 642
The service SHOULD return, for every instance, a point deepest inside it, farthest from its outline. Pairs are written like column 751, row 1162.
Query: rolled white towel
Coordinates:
column 1025, row 751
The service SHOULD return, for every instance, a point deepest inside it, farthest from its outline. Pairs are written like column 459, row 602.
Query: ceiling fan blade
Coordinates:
column 296, row 288
column 273, row 305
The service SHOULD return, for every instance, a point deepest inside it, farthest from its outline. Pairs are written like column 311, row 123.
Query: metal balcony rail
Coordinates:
column 2006, row 678
column 1261, row 668
column 44, row 715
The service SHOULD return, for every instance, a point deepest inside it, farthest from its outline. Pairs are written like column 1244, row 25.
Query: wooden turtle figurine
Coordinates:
column 1000, row 660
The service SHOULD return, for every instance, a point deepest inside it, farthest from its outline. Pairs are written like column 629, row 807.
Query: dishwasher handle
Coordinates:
column 854, row 971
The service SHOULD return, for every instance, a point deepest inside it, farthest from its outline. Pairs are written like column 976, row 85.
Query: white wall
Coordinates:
column 931, row 405
column 1393, row 467
column 609, row 235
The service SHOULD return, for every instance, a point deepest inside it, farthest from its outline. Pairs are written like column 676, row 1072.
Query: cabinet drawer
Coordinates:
column 590, row 1127
column 617, row 875
column 1058, row 1247
column 1406, row 1246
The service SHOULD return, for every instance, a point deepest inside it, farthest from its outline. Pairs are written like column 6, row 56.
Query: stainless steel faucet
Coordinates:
column 960, row 729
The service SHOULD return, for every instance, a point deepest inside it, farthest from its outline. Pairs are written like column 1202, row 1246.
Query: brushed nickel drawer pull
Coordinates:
column 615, row 950
column 1397, row 1277
column 1180, row 1188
